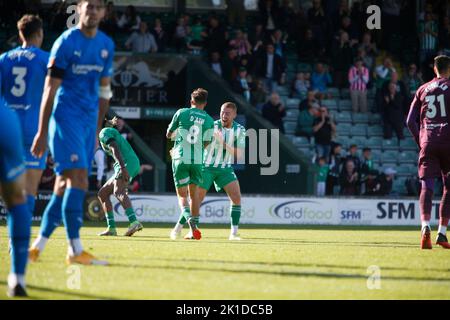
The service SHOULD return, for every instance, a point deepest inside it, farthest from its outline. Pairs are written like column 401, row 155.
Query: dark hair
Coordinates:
column 322, row 158
column 353, row 146
column 442, row 63
column 366, row 149
column 29, row 25
column 199, row 96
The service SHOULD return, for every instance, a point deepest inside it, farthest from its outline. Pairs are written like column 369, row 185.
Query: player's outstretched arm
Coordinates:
column 40, row 140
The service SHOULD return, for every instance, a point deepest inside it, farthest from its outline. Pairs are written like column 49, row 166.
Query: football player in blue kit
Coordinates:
column 23, row 71
column 75, row 100
column 12, row 191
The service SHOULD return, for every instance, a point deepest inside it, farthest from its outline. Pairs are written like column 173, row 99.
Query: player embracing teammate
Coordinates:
column 429, row 122
column 203, row 153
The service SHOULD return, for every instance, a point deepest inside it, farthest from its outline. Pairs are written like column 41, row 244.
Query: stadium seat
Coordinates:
column 345, row 93
column 291, row 114
column 301, row 142
column 374, row 131
column 282, row 90
column 360, row 118
column 398, row 186
column 343, row 117
column 404, row 169
column 374, row 142
column 408, row 144
column 376, row 155
column 345, row 105
column 375, row 118
column 407, row 157
column 289, row 127
column 389, row 144
column 358, row 130
column 343, row 129
column 334, row 92
column 292, row 103
column 331, row 104
column 359, row 141
column 389, row 157
column 304, row 67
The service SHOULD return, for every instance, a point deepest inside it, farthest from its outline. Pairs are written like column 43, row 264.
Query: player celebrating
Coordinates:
column 126, row 167
column 431, row 105
column 23, row 71
column 12, row 190
column 192, row 129
column 75, row 100
column 227, row 145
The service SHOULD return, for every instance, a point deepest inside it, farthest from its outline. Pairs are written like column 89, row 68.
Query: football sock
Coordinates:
column 75, row 247
column 52, row 216
column 40, row 242
column 425, row 223
column 72, row 208
column 14, row 279
column 234, row 230
column 131, row 215
column 184, row 216
column 442, row 229
column 19, row 228
column 425, row 203
column 178, row 227
column 235, row 211
column 31, row 203
column 110, row 220
column 196, row 220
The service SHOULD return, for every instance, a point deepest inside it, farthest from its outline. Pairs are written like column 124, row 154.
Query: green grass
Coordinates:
column 271, row 263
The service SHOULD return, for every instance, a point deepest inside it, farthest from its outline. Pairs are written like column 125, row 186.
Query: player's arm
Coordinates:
column 118, row 157
column 237, row 151
column 52, row 83
column 411, row 120
column 173, row 126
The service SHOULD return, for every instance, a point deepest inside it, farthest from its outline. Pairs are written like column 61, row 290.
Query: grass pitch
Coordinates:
column 270, row 263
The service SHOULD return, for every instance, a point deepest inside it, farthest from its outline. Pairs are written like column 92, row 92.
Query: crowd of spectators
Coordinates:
column 352, row 175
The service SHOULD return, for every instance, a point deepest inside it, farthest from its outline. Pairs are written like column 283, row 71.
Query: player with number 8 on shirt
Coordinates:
column 429, row 122
column 192, row 129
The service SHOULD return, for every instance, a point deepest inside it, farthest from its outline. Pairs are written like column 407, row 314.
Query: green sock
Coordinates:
column 130, row 214
column 184, row 216
column 110, row 220
column 235, row 214
column 196, row 220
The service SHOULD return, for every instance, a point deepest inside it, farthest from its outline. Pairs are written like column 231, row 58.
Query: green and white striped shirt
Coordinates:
column 217, row 156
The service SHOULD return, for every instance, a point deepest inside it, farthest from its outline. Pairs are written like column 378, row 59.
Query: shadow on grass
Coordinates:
column 289, row 264
column 73, row 294
column 281, row 273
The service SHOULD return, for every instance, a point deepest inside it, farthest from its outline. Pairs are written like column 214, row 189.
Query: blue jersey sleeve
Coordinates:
column 108, row 69
column 60, row 54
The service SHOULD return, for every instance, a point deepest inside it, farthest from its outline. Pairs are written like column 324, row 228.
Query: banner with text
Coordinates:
column 262, row 210
column 276, row 210
column 148, row 80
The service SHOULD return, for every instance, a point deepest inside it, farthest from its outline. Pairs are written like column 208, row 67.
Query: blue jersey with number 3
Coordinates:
column 23, row 72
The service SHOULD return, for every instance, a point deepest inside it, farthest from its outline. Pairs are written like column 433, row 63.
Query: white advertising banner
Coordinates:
column 280, row 210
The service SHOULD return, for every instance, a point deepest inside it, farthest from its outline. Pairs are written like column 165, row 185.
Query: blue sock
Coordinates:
column 31, row 201
column 19, row 227
column 52, row 216
column 72, row 208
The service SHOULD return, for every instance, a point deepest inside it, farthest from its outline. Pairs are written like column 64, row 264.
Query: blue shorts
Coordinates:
column 11, row 149
column 72, row 144
column 28, row 136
